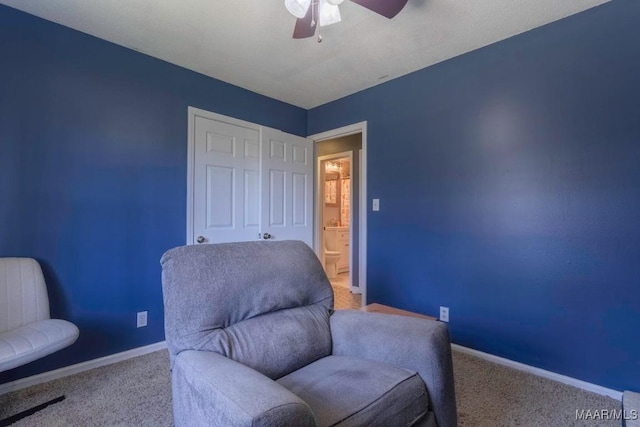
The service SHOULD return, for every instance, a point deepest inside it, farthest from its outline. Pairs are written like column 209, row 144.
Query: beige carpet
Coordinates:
column 137, row 392
column 491, row 395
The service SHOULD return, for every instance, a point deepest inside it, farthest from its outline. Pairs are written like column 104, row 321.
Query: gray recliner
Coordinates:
column 254, row 341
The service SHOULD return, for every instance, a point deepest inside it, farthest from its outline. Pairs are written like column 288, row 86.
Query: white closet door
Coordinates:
column 287, row 186
column 226, row 187
column 246, row 180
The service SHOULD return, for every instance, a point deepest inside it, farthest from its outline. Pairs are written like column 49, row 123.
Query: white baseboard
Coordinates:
column 594, row 388
column 118, row 357
column 80, row 367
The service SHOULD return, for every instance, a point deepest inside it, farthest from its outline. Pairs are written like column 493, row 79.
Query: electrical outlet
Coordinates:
column 142, row 319
column 444, row 314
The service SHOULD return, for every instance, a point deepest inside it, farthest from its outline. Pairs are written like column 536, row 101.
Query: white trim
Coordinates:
column 364, row 209
column 79, row 367
column 352, row 288
column 191, row 143
column 594, row 388
column 361, row 128
column 362, row 283
column 343, row 131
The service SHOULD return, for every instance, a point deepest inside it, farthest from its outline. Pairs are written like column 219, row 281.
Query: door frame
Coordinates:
column 361, row 128
column 192, row 113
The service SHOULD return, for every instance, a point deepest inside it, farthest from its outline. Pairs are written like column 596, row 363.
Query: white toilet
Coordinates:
column 331, row 255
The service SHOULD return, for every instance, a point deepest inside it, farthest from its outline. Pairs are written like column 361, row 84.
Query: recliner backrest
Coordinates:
column 264, row 304
column 23, row 293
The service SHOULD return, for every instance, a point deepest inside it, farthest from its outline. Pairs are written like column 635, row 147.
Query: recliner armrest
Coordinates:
column 420, row 345
column 210, row 389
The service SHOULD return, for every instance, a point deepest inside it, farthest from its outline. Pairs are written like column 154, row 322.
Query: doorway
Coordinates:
column 340, row 213
column 335, row 215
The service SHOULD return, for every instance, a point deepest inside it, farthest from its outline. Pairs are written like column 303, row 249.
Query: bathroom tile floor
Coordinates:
column 343, row 298
column 342, row 280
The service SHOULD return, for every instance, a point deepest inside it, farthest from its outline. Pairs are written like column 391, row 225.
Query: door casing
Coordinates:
column 355, row 128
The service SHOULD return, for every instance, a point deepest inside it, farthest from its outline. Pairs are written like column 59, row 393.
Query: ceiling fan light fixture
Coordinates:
column 297, row 8
column 328, row 13
column 335, row 2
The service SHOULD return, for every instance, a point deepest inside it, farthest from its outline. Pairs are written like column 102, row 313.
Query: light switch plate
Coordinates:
column 376, row 204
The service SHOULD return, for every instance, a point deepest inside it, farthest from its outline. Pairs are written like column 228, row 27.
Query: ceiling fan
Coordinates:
column 326, row 12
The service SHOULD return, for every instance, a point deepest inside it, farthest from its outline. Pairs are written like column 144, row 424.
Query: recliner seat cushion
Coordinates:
column 345, row 391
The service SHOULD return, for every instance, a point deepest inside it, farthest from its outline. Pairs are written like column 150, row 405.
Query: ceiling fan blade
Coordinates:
column 304, row 27
column 387, row 8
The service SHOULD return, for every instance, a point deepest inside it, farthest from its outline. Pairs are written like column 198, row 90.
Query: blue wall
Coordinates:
column 509, row 181
column 508, row 178
column 93, row 155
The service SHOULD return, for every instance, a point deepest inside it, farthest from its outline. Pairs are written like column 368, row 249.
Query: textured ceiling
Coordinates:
column 248, row 42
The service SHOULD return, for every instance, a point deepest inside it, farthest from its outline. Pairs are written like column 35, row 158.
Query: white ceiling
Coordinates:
column 248, row 42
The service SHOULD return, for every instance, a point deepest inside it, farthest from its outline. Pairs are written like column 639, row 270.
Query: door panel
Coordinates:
column 287, row 167
column 299, row 198
column 226, row 182
column 252, row 198
column 277, row 198
column 219, row 196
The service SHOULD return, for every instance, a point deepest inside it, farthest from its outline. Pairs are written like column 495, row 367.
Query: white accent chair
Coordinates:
column 27, row 332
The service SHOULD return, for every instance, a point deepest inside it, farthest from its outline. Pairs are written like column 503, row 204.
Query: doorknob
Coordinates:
column 266, row 236
column 201, row 239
